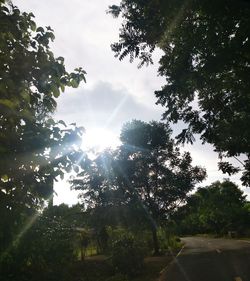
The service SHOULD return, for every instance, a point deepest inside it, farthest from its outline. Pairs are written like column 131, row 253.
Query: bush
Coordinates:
column 43, row 252
column 118, row 277
column 127, row 256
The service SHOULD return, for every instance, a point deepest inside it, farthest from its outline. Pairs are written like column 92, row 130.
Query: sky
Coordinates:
column 115, row 92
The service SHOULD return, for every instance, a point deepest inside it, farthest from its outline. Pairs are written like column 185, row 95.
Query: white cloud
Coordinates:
column 115, row 91
column 104, row 106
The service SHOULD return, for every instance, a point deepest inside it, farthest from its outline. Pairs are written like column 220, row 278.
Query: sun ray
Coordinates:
column 99, row 139
column 28, row 224
column 115, row 111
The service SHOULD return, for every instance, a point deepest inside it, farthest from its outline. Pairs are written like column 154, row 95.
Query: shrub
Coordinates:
column 43, row 252
column 127, row 256
column 118, row 277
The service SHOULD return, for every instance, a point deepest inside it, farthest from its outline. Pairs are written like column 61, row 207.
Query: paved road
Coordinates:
column 206, row 259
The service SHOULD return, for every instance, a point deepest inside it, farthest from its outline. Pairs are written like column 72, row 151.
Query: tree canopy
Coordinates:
column 217, row 208
column 205, row 62
column 34, row 148
column 147, row 174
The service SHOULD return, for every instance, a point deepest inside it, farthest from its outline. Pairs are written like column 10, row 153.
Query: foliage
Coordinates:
column 101, row 270
column 118, row 277
column 217, row 208
column 162, row 176
column 142, row 181
column 46, row 249
column 34, row 148
column 205, row 61
column 127, row 256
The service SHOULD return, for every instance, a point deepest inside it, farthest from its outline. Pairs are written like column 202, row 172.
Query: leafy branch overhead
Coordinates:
column 205, row 62
column 34, row 148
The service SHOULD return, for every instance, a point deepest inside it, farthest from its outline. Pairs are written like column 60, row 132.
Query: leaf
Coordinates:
column 62, row 87
column 74, row 83
column 50, row 121
column 4, row 178
column 62, row 122
column 25, row 95
column 68, row 169
column 40, row 29
column 60, row 59
column 7, row 103
column 76, row 168
column 55, row 91
column 33, row 26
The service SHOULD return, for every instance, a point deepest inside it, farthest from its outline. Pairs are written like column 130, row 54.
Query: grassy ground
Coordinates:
column 152, row 268
column 99, row 268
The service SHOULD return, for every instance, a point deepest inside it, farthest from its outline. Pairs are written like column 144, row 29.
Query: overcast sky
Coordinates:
column 115, row 91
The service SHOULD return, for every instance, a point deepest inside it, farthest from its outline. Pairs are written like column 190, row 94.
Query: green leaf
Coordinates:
column 62, row 122
column 40, row 29
column 50, row 121
column 55, row 91
column 62, row 87
column 7, row 103
column 4, row 178
column 74, row 83
column 25, row 95
column 33, row 26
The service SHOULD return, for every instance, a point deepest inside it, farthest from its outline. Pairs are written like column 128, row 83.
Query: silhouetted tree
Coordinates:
column 147, row 173
column 205, row 61
column 34, row 148
column 217, row 208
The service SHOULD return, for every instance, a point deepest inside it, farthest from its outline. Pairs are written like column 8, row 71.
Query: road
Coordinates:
column 207, row 259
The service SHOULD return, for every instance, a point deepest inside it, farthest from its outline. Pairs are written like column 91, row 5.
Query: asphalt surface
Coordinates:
column 206, row 259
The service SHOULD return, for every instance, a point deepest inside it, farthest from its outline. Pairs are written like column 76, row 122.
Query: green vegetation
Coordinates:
column 205, row 61
column 139, row 184
column 137, row 197
column 127, row 256
column 49, row 250
column 217, row 209
column 34, row 148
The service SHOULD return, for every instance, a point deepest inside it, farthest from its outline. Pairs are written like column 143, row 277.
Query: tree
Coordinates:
column 48, row 248
column 206, row 65
column 217, row 208
column 161, row 176
column 34, row 148
column 147, row 173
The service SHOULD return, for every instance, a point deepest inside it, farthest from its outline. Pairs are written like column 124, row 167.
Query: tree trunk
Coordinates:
column 83, row 250
column 155, row 240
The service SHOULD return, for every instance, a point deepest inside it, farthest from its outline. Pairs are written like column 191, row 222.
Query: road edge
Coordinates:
column 169, row 264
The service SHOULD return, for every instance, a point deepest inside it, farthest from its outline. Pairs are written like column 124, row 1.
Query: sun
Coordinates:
column 99, row 139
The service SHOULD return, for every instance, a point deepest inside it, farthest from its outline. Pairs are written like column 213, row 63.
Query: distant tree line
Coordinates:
column 219, row 209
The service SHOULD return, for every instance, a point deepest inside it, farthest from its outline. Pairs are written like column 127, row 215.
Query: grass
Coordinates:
column 102, row 270
column 152, row 268
column 99, row 267
column 91, row 251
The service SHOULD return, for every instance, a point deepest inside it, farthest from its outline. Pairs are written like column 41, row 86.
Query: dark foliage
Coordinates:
column 34, row 148
column 127, row 256
column 142, row 181
column 206, row 59
column 217, row 209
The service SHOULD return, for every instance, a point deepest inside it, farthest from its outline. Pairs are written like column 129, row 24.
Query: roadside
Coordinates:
column 174, row 256
column 100, row 268
column 208, row 259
